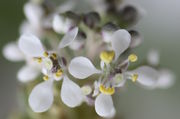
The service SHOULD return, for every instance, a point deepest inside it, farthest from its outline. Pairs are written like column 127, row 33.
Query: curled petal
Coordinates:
column 12, row 52
column 31, row 45
column 69, row 37
column 41, row 97
column 147, row 76
column 104, row 106
column 166, row 79
column 120, row 41
column 27, row 73
column 81, row 67
column 71, row 93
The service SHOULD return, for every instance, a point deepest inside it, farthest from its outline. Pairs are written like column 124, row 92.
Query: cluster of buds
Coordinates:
column 99, row 42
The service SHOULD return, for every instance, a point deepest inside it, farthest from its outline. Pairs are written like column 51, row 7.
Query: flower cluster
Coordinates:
column 60, row 43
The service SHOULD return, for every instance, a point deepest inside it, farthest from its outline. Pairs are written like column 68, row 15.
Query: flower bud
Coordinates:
column 91, row 19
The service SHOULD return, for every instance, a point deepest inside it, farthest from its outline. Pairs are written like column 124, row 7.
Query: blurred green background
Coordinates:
column 161, row 30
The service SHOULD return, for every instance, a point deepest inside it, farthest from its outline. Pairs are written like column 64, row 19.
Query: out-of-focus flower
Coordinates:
column 28, row 72
column 130, row 13
column 41, row 97
column 34, row 13
column 166, row 77
column 153, row 57
column 38, row 20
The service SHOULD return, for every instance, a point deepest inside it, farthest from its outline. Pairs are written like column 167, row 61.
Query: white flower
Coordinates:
column 81, row 68
column 41, row 97
column 28, row 72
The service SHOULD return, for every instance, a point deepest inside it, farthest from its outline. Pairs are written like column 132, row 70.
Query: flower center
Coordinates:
column 134, row 77
column 48, row 63
column 107, row 91
column 107, row 56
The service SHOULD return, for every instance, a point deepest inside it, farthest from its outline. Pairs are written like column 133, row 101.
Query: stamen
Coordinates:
column 54, row 56
column 39, row 59
column 45, row 54
column 107, row 56
column 132, row 58
column 134, row 77
column 45, row 77
column 59, row 73
column 107, row 91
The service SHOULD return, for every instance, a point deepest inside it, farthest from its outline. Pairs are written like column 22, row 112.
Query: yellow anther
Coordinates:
column 132, row 58
column 134, row 77
column 45, row 54
column 107, row 56
column 39, row 59
column 59, row 73
column 107, row 91
column 54, row 56
column 45, row 77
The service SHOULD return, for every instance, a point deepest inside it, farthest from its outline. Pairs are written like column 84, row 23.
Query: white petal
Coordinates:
column 71, row 93
column 68, row 38
column 166, row 79
column 33, row 13
column 31, row 45
column 104, row 106
column 120, row 41
column 27, row 73
column 12, row 52
column 147, row 76
column 81, row 67
column 41, row 97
